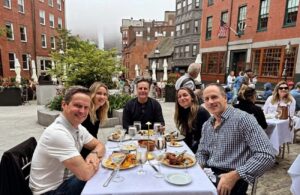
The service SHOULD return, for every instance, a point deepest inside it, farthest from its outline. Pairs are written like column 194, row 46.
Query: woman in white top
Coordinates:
column 230, row 79
column 282, row 97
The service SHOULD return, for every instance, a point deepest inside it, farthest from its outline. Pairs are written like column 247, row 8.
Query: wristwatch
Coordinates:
column 95, row 152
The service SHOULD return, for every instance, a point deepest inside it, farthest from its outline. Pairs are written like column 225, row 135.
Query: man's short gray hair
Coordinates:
column 194, row 68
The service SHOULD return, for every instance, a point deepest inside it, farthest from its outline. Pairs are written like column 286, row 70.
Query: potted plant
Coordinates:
column 10, row 92
column 116, row 102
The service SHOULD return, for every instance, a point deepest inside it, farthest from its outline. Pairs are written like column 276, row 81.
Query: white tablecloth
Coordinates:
column 294, row 172
column 279, row 133
column 148, row 184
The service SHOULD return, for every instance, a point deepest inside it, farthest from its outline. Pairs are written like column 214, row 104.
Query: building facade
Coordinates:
column 237, row 35
column 187, row 36
column 29, row 30
column 139, row 38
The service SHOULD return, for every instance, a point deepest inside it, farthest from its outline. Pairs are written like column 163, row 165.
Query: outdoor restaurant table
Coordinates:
column 278, row 132
column 294, row 172
column 148, row 184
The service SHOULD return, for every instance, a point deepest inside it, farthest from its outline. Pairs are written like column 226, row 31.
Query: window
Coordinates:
column 52, row 42
column 25, row 62
column 182, row 28
column 45, row 64
column 177, row 52
column 186, row 51
column 208, row 28
column 194, row 52
column 51, row 20
column 210, row 2
column 213, row 63
column 196, row 26
column 291, row 12
column 182, row 51
column 21, row 6
column 7, row 4
column 50, row 3
column 59, row 5
column 172, row 33
column 59, row 23
column 263, row 15
column 241, row 24
column 187, row 27
column 178, row 8
column 9, row 31
column 44, row 41
column 23, row 33
column 11, row 58
column 224, row 16
column 190, row 4
column 178, row 30
column 42, row 17
column 197, row 5
column 183, row 4
column 148, row 29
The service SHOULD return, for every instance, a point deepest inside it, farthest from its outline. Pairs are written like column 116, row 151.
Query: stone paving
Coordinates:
column 17, row 123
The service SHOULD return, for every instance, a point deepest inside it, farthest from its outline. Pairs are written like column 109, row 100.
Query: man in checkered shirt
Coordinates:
column 233, row 144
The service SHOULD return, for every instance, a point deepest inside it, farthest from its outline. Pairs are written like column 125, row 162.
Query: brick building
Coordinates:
column 140, row 37
column 30, row 30
column 187, row 36
column 256, row 37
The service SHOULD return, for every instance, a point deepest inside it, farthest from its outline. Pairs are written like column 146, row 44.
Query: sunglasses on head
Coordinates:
column 281, row 88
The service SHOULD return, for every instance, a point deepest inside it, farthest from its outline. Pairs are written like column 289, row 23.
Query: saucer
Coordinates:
column 178, row 179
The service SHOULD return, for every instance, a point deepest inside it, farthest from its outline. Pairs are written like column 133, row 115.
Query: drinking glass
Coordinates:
column 122, row 136
column 142, row 158
column 138, row 125
column 117, row 159
column 160, row 145
column 156, row 127
column 132, row 131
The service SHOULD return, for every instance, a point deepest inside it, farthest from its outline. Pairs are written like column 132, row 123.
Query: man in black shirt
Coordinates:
column 142, row 108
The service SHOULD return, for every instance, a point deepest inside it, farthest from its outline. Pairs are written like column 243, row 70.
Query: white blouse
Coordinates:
column 270, row 108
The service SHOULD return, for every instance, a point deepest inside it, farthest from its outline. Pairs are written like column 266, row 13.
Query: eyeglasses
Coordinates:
column 283, row 88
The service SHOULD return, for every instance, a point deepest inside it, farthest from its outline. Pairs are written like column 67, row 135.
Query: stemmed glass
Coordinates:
column 160, row 145
column 132, row 131
column 122, row 136
column 117, row 159
column 142, row 158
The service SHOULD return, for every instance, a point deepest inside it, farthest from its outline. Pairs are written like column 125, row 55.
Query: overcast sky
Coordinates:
column 91, row 17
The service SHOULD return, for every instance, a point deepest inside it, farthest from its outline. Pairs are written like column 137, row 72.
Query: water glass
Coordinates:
column 142, row 158
column 138, row 125
column 117, row 159
column 132, row 131
column 156, row 127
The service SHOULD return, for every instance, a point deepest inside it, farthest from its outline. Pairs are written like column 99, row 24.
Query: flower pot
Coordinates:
column 10, row 97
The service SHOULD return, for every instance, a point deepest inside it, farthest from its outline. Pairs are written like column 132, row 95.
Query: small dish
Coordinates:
column 175, row 144
column 178, row 179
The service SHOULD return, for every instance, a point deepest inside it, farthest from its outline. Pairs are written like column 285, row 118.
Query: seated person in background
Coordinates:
column 232, row 144
column 189, row 117
column 97, row 113
column 142, row 108
column 291, row 85
column 57, row 166
column 246, row 98
column 282, row 97
column 267, row 91
column 229, row 94
column 296, row 94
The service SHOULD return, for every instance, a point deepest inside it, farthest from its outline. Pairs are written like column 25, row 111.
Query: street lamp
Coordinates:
column 288, row 50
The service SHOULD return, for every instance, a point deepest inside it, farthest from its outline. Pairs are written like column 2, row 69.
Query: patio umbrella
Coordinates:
column 34, row 76
column 18, row 70
column 198, row 61
column 165, row 65
column 137, row 70
column 54, row 79
column 153, row 71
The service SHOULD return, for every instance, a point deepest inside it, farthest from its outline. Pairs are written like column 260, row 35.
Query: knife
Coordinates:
column 155, row 169
column 110, row 178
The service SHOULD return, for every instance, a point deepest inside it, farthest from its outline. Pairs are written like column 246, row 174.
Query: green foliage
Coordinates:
column 172, row 78
column 117, row 101
column 84, row 62
column 55, row 103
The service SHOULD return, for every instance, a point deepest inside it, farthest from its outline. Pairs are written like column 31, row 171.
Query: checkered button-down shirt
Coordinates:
column 238, row 143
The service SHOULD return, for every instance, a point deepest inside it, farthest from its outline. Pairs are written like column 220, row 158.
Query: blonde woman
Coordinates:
column 282, row 97
column 98, row 110
column 189, row 117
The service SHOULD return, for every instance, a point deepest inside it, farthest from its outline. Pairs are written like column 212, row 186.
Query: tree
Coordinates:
column 84, row 62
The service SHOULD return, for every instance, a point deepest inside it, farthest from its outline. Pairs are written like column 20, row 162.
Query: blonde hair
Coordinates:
column 246, row 93
column 179, row 119
column 100, row 113
column 275, row 98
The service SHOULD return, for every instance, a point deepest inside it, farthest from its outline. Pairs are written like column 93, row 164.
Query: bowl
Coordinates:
column 149, row 144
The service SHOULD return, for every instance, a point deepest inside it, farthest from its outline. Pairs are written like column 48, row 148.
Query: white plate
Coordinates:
column 127, row 137
column 178, row 179
column 178, row 144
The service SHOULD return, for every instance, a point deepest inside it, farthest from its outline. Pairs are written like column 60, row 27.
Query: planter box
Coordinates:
column 10, row 97
column 170, row 93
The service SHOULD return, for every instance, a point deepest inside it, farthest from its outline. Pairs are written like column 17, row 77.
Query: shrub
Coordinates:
column 117, row 101
column 55, row 103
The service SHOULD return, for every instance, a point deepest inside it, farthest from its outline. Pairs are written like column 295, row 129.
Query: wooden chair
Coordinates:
column 15, row 168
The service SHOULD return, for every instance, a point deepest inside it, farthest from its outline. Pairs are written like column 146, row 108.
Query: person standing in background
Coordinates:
column 230, row 80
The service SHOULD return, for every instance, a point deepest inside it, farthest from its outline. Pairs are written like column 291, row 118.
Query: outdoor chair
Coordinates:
column 15, row 168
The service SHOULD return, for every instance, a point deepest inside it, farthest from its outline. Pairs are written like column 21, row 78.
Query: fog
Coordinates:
column 90, row 18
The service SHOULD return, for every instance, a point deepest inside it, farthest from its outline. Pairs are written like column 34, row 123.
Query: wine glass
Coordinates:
column 117, row 159
column 160, row 145
column 132, row 131
column 142, row 158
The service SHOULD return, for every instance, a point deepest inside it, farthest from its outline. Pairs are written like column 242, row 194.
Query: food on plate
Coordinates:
column 146, row 132
column 150, row 156
column 130, row 161
column 129, row 147
column 174, row 159
column 175, row 143
column 115, row 135
column 149, row 144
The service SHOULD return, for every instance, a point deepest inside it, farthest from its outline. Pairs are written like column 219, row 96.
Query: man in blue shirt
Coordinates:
column 296, row 94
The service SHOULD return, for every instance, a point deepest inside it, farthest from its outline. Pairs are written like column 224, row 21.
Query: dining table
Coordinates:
column 135, row 184
column 278, row 132
column 294, row 172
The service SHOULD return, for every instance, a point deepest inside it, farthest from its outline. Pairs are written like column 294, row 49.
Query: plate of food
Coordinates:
column 129, row 162
column 174, row 136
column 146, row 132
column 174, row 143
column 178, row 161
column 115, row 137
column 129, row 147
